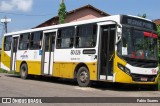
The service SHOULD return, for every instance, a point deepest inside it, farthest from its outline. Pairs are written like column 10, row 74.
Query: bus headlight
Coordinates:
column 123, row 68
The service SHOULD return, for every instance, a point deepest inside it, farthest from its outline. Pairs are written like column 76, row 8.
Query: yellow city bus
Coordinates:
column 118, row 48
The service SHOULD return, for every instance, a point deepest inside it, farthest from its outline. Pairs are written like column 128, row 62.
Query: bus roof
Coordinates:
column 96, row 20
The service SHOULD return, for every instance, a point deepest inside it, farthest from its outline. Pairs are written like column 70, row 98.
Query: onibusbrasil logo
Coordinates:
column 21, row 100
column 24, row 55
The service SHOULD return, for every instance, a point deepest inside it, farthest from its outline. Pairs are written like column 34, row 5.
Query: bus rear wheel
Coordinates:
column 83, row 77
column 24, row 71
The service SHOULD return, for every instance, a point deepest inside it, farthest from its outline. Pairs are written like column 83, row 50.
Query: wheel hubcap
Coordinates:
column 83, row 76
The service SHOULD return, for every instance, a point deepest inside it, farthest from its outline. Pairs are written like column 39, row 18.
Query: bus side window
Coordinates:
column 24, row 41
column 36, row 40
column 7, row 43
column 86, row 36
column 65, row 37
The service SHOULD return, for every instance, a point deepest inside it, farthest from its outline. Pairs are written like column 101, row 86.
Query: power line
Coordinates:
column 25, row 14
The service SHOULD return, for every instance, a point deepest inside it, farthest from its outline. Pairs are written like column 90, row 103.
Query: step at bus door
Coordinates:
column 106, row 51
column 14, row 52
column 48, row 52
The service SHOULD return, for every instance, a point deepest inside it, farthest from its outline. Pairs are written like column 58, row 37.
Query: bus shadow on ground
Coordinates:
column 120, row 87
column 48, row 79
column 95, row 84
column 12, row 75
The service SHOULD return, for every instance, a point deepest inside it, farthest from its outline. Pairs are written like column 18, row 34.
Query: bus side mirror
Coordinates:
column 119, row 26
column 118, row 38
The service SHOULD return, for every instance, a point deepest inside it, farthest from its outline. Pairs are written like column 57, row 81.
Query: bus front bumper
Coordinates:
column 122, row 77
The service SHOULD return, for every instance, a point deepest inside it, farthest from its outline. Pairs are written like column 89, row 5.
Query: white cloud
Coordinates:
column 4, row 6
column 21, row 5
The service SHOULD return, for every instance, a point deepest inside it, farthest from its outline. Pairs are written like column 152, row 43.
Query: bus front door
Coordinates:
column 106, row 51
column 48, row 53
column 14, row 53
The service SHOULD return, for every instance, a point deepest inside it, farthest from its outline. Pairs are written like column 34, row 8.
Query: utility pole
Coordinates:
column 5, row 21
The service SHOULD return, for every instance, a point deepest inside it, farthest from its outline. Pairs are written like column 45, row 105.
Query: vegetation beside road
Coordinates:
column 3, row 71
column 8, row 72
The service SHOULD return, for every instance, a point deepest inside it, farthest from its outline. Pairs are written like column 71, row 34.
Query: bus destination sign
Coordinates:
column 137, row 22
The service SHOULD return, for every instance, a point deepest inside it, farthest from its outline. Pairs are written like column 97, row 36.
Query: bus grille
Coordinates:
column 143, row 78
column 143, row 64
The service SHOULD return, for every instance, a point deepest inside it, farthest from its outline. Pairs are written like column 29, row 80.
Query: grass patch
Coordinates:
column 3, row 71
column 13, row 72
column 8, row 72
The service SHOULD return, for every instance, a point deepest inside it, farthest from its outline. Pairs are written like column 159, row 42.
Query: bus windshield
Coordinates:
column 138, row 44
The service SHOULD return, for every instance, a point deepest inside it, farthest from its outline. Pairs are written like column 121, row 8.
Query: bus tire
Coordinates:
column 24, row 71
column 83, row 77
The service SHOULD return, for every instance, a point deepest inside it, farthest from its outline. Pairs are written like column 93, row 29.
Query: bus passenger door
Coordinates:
column 48, row 52
column 106, row 51
column 14, row 53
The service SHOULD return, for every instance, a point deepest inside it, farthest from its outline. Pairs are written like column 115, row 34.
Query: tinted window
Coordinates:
column 86, row 36
column 36, row 40
column 50, row 41
column 65, row 37
column 7, row 43
column 24, row 41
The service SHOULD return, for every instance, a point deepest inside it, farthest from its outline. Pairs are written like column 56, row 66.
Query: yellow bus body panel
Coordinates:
column 34, row 67
column 5, row 59
column 93, row 70
column 66, row 69
column 122, row 77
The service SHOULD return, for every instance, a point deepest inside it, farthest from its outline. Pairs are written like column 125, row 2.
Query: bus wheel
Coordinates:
column 83, row 77
column 24, row 71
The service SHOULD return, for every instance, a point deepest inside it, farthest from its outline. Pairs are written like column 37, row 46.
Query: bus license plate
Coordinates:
column 144, row 79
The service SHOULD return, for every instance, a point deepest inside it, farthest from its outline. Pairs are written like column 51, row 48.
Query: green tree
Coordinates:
column 62, row 12
column 158, row 31
column 143, row 15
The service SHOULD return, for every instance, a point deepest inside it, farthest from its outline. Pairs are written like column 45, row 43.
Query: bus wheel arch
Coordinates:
column 24, row 70
column 82, row 75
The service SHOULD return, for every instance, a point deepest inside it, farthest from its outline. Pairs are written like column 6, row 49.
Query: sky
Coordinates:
column 26, row 14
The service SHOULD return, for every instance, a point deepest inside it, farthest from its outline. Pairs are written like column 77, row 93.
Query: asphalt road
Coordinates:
column 14, row 86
